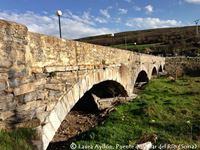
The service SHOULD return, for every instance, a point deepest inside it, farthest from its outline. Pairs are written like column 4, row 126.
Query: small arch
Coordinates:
column 154, row 71
column 164, row 67
column 160, row 69
column 105, row 89
column 142, row 79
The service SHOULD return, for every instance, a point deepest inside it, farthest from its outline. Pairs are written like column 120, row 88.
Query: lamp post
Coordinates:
column 59, row 14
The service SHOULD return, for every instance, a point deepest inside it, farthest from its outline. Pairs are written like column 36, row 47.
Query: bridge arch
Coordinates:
column 104, row 89
column 142, row 77
column 154, row 71
column 110, row 77
column 160, row 69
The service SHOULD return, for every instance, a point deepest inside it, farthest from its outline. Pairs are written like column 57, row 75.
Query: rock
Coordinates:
column 172, row 79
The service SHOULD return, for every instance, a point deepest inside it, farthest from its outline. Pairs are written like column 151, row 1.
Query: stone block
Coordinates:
column 42, row 116
column 41, row 94
column 50, row 105
column 6, row 114
column 30, row 97
column 26, row 88
column 48, row 130
column 5, row 63
column 76, row 92
column 60, row 111
column 29, row 87
column 37, row 70
column 4, row 70
column 54, row 68
column 54, row 120
column 70, row 99
column 56, row 87
column 3, row 85
column 7, row 103
column 45, row 141
column 4, row 76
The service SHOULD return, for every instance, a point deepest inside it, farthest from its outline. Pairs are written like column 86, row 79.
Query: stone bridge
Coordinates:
column 43, row 77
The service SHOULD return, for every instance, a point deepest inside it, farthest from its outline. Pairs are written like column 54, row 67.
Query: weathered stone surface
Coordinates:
column 26, row 88
column 50, row 106
column 28, row 124
column 2, row 85
column 56, row 87
column 3, row 76
column 36, row 70
column 30, row 97
column 6, row 114
column 7, row 102
column 29, row 87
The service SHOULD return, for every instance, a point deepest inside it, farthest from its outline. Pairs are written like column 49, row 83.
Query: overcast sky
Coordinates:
column 82, row 18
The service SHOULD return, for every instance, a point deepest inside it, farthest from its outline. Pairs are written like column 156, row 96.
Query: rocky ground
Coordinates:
column 76, row 122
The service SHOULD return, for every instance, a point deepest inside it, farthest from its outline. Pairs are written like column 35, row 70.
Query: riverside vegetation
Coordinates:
column 171, row 110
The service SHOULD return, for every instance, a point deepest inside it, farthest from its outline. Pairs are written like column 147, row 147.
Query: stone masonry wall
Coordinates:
column 179, row 66
column 35, row 70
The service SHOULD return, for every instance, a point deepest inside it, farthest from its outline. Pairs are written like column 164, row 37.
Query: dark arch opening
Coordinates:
column 142, row 79
column 105, row 89
column 160, row 69
column 154, row 72
column 164, row 67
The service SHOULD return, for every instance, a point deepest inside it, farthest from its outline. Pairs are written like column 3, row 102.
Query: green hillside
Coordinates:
column 163, row 41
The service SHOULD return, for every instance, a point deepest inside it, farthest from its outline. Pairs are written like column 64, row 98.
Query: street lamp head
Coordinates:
column 59, row 13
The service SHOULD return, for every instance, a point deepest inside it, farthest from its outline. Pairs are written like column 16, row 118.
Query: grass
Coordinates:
column 171, row 110
column 133, row 46
column 18, row 139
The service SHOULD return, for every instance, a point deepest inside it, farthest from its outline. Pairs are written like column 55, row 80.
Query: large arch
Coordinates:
column 105, row 89
column 101, row 77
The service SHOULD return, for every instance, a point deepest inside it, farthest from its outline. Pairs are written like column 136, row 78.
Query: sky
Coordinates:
column 82, row 18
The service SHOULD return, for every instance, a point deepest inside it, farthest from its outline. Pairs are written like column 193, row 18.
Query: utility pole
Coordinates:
column 197, row 30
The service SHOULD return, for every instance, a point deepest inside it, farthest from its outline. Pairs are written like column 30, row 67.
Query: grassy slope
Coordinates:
column 133, row 46
column 16, row 140
column 180, row 40
column 171, row 105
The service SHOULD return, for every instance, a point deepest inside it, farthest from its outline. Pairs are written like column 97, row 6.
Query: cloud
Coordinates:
column 148, row 8
column 137, row 8
column 122, row 11
column 101, row 20
column 128, row 1
column 146, row 23
column 105, row 12
column 73, row 26
column 193, row 1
